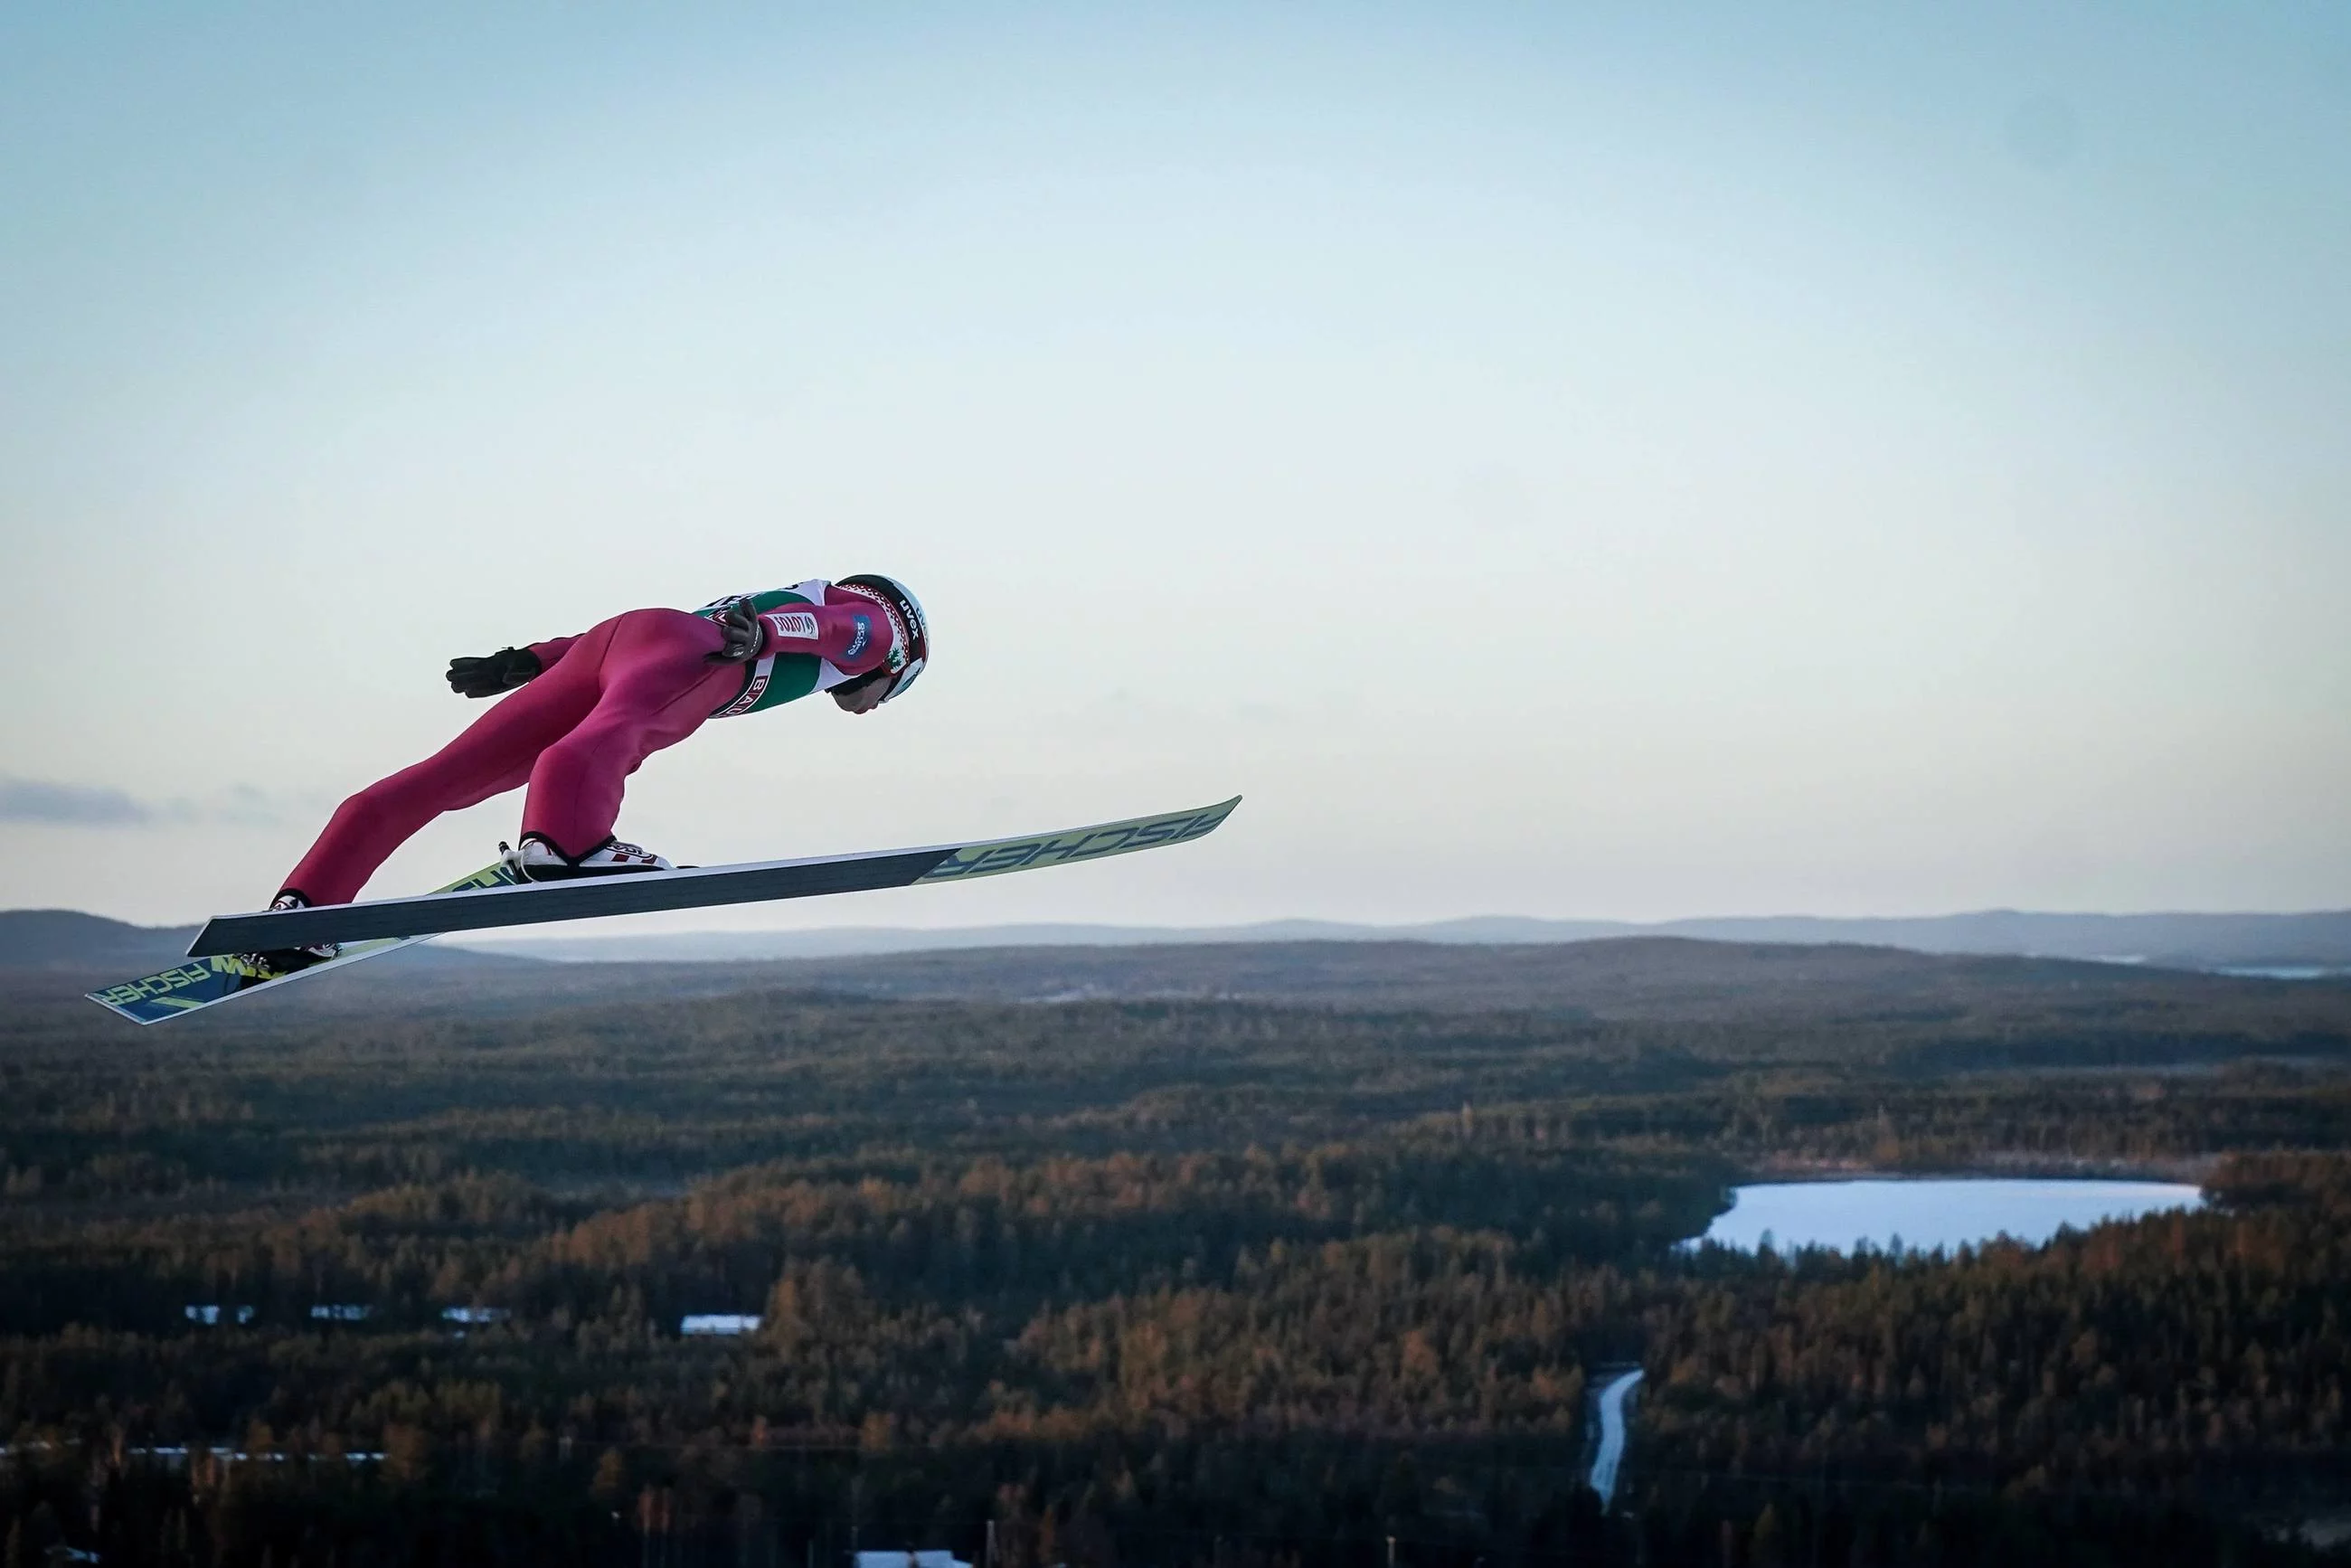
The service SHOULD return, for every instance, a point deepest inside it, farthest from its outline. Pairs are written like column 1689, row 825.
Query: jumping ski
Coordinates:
column 222, row 965
column 192, row 987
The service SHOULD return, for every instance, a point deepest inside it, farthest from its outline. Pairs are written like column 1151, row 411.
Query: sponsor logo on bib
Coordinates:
column 753, row 690
column 799, row 623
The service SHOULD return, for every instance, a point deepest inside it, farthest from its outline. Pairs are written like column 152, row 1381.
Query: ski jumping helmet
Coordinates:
column 910, row 645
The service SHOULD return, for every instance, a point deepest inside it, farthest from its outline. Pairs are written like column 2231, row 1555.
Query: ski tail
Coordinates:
column 201, row 983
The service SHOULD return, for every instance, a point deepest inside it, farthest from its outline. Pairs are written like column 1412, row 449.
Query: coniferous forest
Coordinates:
column 1209, row 1273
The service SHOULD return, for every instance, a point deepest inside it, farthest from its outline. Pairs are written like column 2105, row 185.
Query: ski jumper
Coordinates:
column 604, row 701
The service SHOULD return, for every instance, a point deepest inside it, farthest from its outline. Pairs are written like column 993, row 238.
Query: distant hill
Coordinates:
column 1986, row 1010
column 67, row 939
column 1619, row 978
column 2321, row 941
column 1989, row 1010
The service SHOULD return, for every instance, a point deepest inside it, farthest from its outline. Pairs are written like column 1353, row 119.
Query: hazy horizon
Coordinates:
column 689, row 923
column 1602, row 464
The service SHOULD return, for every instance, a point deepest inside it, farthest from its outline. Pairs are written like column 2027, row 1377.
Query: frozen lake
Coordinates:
column 1930, row 1215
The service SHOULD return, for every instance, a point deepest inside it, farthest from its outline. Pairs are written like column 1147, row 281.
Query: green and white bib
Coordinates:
column 774, row 679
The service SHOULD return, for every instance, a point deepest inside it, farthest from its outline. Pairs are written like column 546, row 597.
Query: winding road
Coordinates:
column 1612, row 1435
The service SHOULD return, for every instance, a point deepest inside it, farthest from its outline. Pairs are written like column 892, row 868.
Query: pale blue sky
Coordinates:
column 1633, row 462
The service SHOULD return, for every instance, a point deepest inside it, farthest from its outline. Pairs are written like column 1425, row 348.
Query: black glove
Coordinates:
column 501, row 672
column 744, row 632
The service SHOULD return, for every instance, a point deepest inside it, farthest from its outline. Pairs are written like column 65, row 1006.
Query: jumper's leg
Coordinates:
column 495, row 754
column 659, row 687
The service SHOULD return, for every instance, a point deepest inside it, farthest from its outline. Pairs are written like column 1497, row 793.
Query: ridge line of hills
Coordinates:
column 2317, row 941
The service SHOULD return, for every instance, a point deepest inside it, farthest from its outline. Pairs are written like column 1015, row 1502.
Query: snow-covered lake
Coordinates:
column 1935, row 1215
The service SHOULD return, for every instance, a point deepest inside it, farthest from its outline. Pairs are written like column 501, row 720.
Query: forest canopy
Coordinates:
column 1163, row 1279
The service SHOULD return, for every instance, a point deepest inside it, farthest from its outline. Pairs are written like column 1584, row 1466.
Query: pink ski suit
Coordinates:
column 605, row 701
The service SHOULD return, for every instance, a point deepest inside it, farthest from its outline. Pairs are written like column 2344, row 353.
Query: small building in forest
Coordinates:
column 929, row 1559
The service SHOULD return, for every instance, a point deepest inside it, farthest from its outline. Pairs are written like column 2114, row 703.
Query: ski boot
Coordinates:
column 287, row 960
column 535, row 860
